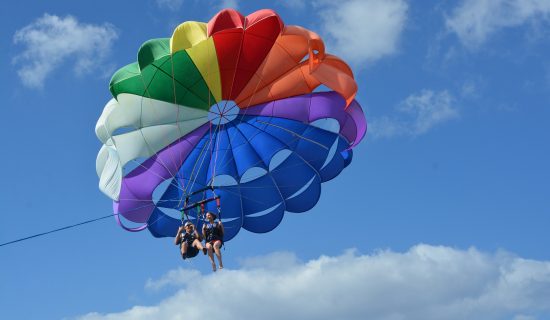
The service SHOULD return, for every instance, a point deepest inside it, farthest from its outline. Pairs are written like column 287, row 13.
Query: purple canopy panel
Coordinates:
column 357, row 117
column 136, row 193
column 311, row 107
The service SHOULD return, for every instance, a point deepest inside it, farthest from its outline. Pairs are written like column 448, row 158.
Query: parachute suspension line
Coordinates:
column 216, row 144
column 192, row 181
column 211, row 150
column 219, row 207
column 295, row 134
column 189, row 185
column 217, row 147
column 213, row 173
column 199, row 217
column 183, row 212
column 200, row 166
column 184, row 190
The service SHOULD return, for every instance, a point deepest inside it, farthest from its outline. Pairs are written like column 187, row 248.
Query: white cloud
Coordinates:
column 51, row 42
column 474, row 21
column 424, row 283
column 416, row 115
column 177, row 277
column 173, row 5
column 429, row 109
column 362, row 31
column 276, row 260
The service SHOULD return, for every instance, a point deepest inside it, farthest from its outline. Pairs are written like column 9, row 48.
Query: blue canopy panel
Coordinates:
column 243, row 151
column 298, row 182
column 284, row 130
column 262, row 204
column 348, row 156
column 336, row 162
column 258, row 202
column 171, row 196
column 313, row 144
column 220, row 160
column 231, row 213
column 162, row 225
column 264, row 144
column 321, row 149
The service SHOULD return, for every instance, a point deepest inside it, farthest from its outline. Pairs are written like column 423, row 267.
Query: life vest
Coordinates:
column 212, row 231
column 189, row 238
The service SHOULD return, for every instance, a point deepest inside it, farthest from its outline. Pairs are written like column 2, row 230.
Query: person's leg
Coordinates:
column 183, row 249
column 197, row 244
column 217, row 246
column 211, row 255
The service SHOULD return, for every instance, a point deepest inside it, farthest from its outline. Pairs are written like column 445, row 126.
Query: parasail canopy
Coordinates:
column 228, row 108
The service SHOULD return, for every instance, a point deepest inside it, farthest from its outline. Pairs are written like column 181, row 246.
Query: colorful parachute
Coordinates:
column 230, row 105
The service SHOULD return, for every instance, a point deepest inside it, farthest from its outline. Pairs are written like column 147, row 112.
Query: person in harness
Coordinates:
column 213, row 234
column 189, row 241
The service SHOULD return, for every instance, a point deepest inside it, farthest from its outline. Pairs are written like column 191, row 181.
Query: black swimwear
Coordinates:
column 191, row 250
column 213, row 232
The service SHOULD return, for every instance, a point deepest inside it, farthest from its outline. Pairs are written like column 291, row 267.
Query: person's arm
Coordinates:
column 177, row 239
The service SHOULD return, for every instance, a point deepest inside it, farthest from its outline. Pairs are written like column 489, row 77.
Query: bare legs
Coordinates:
column 197, row 244
column 217, row 246
column 214, row 249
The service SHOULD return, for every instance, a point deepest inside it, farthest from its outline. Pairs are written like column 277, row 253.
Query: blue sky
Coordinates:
column 443, row 214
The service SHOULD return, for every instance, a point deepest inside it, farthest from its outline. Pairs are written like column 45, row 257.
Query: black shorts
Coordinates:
column 191, row 251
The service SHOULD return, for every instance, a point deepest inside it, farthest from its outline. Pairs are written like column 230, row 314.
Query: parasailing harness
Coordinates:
column 200, row 206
